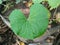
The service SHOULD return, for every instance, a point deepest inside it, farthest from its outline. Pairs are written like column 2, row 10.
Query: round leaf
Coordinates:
column 33, row 26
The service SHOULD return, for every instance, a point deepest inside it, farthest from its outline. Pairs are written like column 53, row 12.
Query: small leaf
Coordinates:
column 32, row 27
column 0, row 1
column 37, row 1
column 53, row 3
column 17, row 1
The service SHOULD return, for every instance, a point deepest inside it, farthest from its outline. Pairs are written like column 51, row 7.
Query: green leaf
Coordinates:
column 37, row 1
column 0, row 1
column 53, row 3
column 33, row 26
column 17, row 1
